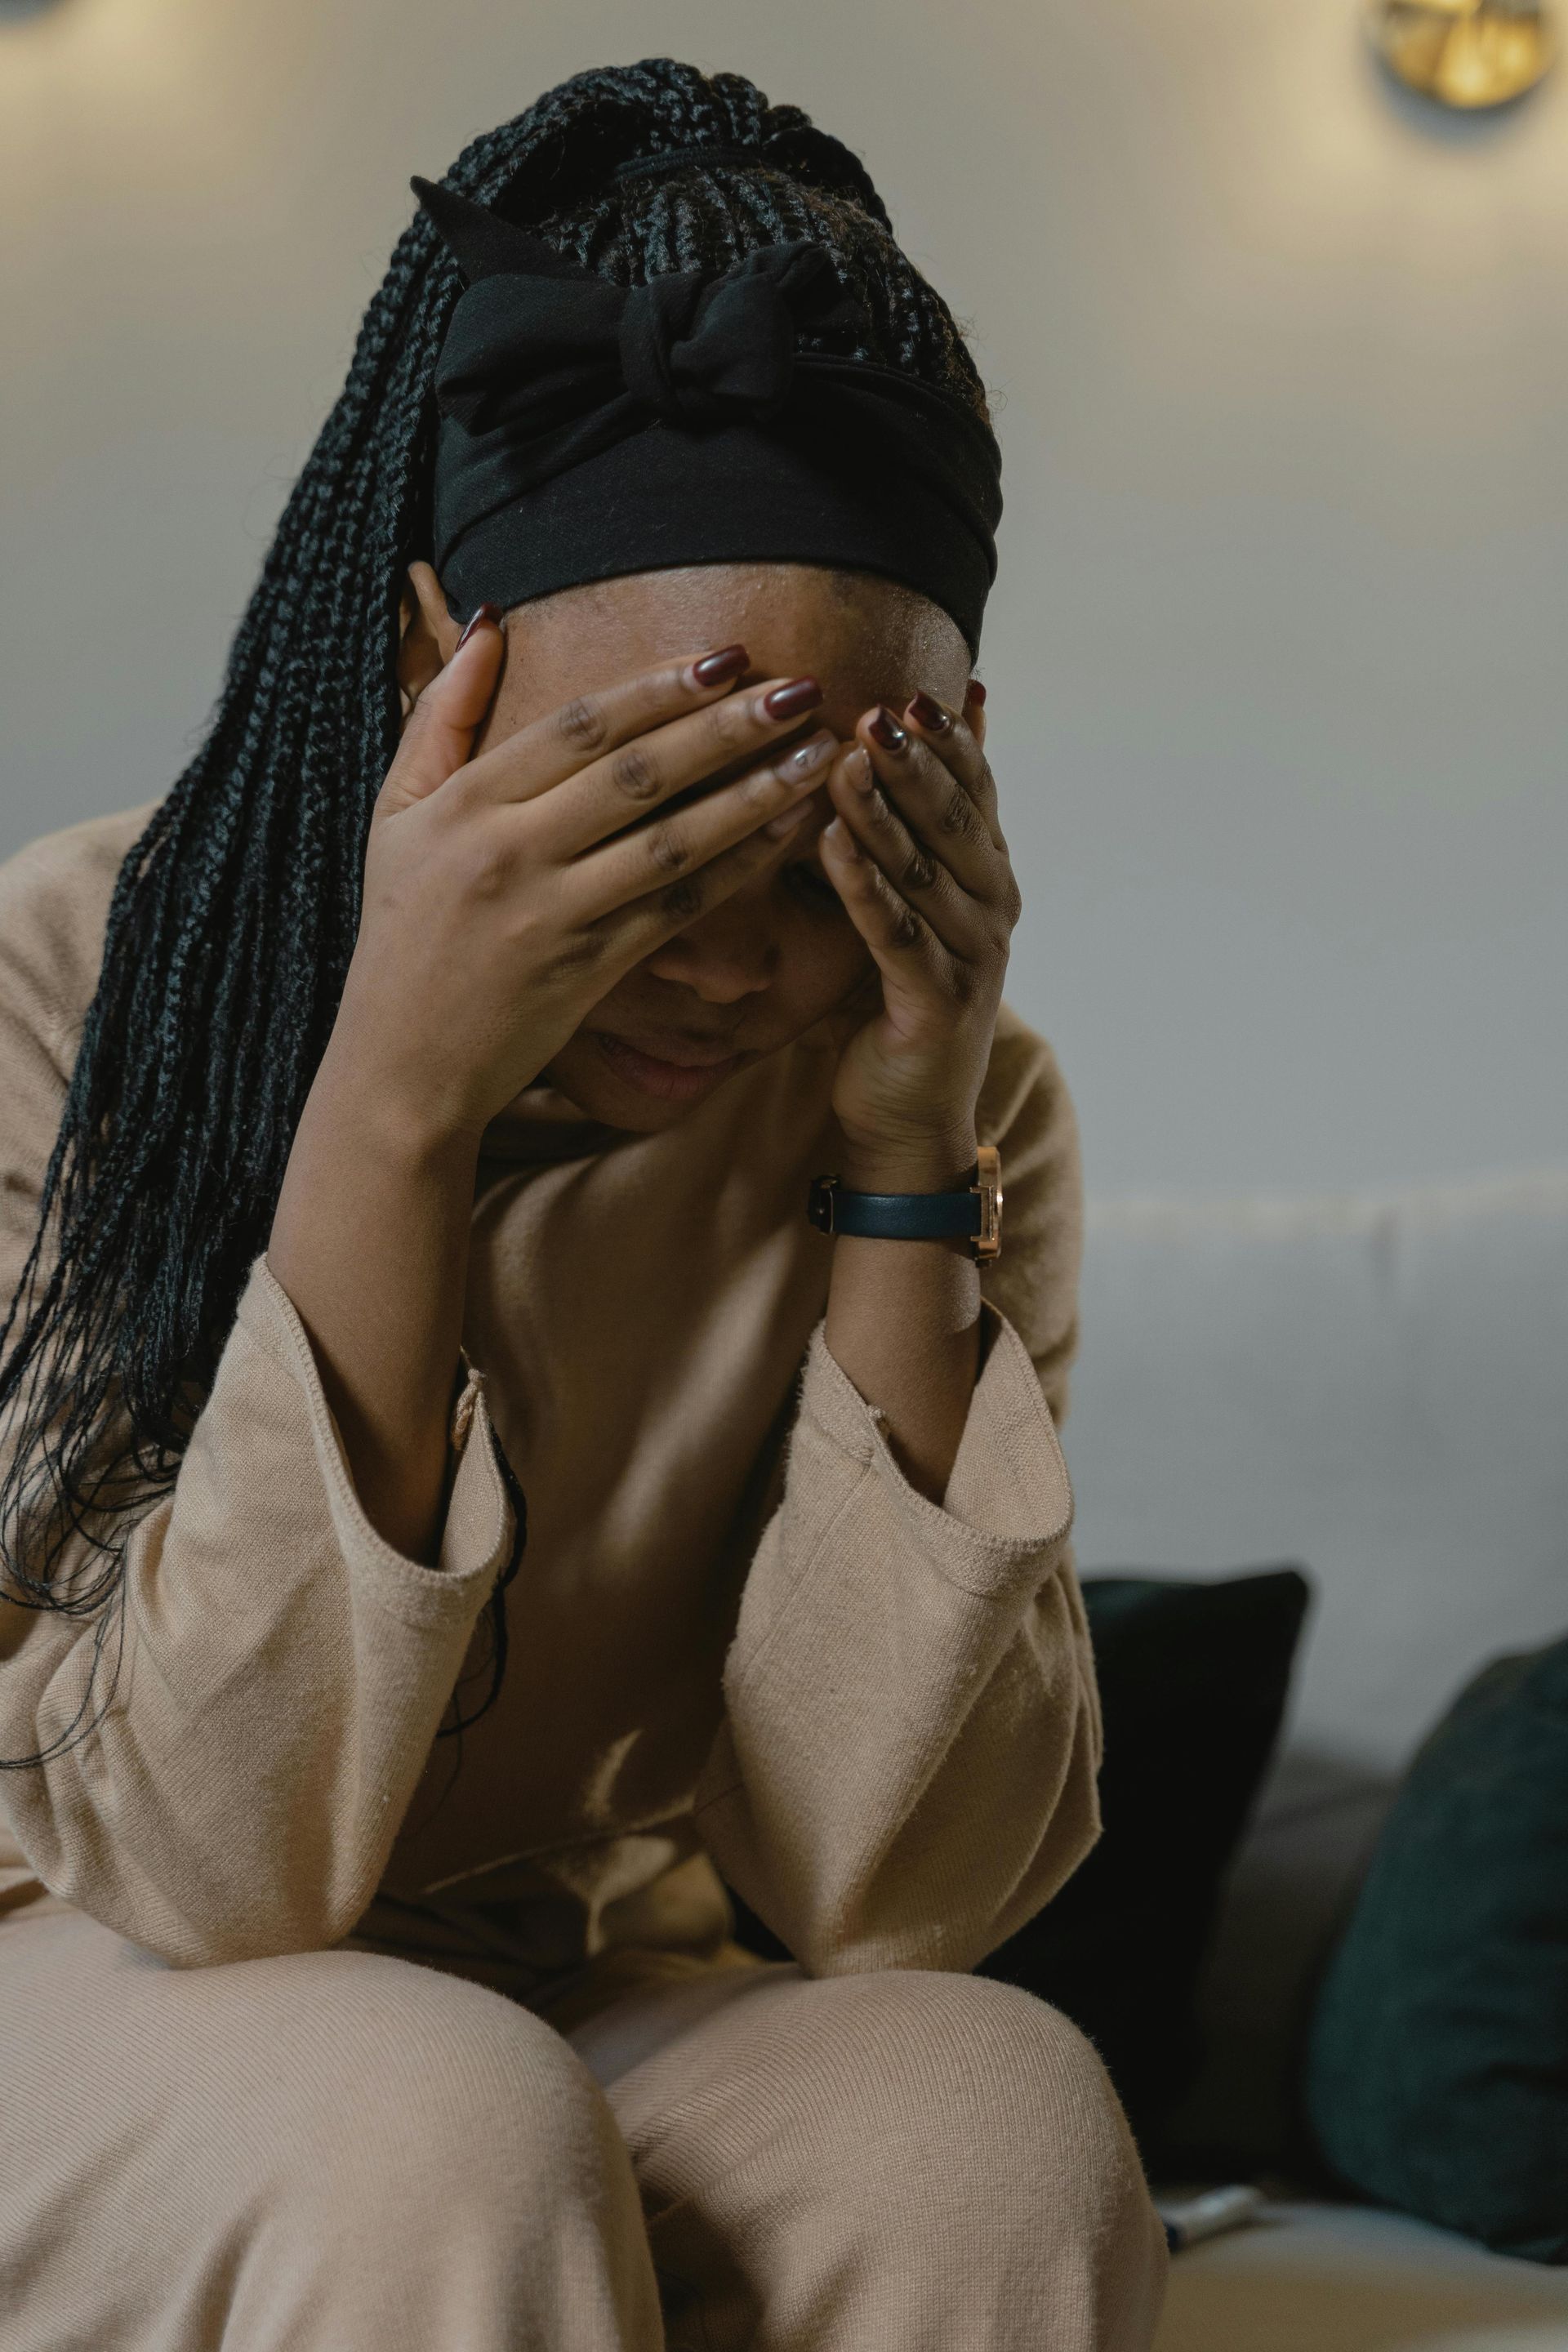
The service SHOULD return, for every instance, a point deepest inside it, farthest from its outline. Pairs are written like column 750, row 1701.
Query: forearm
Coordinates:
column 371, row 1243
column 284, row 1676
column 903, row 1320
column 906, row 1767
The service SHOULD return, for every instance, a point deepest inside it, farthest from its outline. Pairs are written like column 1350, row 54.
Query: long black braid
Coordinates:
column 233, row 917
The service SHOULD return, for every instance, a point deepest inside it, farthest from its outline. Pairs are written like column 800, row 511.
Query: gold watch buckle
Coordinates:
column 987, row 1184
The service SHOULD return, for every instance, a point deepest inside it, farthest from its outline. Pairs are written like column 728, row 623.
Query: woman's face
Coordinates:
column 768, row 963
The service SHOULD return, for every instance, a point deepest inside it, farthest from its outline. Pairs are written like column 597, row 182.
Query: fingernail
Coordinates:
column 930, row 714
column 974, row 692
column 485, row 612
column 791, row 700
column 779, row 825
column 857, row 768
column 884, row 729
column 715, row 668
column 809, row 755
column 840, row 837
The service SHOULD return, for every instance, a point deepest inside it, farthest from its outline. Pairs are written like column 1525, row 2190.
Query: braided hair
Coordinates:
column 234, row 916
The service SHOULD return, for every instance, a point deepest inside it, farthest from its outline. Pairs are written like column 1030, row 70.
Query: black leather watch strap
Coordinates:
column 972, row 1214
column 892, row 1217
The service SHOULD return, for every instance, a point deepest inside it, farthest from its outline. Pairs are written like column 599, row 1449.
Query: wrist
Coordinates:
column 390, row 1112
column 943, row 1163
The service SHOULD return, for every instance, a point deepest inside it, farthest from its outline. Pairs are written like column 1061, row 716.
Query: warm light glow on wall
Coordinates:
column 1464, row 53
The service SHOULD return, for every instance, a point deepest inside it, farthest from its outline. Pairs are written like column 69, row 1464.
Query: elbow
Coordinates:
column 241, row 1936
column 1070, row 1836
column 1082, row 1828
column 224, row 1924
column 894, row 1927
column 267, row 1924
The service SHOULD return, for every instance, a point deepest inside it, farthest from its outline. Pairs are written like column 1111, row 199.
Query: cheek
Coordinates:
column 820, row 964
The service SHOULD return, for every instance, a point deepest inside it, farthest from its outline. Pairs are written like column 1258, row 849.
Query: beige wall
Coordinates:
column 1277, row 659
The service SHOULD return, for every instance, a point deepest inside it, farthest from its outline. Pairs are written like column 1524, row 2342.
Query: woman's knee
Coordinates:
column 920, row 2044
column 985, row 2096
column 331, row 2147
column 1027, row 2064
column 943, row 2078
column 1002, row 2107
column 872, row 2124
column 389, row 2083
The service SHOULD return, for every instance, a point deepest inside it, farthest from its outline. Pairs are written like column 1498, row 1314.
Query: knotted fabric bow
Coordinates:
column 702, row 432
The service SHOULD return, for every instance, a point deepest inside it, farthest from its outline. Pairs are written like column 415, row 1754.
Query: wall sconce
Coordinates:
column 1463, row 52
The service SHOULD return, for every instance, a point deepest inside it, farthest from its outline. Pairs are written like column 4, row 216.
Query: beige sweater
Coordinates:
column 739, row 1636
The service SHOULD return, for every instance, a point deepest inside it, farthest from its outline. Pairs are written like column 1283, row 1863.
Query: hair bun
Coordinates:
column 614, row 125
column 680, row 158
column 796, row 147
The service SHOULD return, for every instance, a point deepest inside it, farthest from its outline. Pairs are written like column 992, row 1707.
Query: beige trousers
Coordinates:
column 343, row 2152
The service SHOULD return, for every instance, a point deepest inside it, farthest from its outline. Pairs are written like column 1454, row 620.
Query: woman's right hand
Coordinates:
column 504, row 896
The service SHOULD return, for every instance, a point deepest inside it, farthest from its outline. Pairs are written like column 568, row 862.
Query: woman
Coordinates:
column 407, row 1130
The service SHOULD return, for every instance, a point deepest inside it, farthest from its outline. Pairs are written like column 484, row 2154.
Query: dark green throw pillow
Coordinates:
column 1436, row 2075
column 1193, row 1680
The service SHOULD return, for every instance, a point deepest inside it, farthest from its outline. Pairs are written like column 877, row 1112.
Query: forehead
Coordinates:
column 868, row 639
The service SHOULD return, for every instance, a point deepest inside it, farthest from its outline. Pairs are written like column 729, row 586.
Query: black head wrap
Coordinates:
column 589, row 429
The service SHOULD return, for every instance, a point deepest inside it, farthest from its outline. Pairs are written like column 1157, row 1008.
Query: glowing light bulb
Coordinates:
column 1464, row 53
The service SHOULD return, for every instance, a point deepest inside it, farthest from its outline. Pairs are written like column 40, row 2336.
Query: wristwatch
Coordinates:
column 974, row 1213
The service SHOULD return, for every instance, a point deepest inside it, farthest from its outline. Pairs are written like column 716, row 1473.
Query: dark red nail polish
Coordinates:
column 885, row 729
column 928, row 714
column 718, row 669
column 793, row 700
column 485, row 612
column 977, row 692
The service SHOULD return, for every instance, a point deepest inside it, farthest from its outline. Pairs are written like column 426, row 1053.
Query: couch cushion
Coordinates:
column 1327, row 2278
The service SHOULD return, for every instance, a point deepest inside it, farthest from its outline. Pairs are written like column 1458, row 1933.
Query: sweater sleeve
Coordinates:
column 216, row 1762
column 906, row 1769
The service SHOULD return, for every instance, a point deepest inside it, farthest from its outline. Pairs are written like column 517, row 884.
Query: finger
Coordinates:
column 919, row 780
column 907, row 950
column 688, row 752
column 440, row 735
column 918, row 876
column 957, row 745
column 975, row 710
column 590, row 727
column 634, row 931
column 769, row 800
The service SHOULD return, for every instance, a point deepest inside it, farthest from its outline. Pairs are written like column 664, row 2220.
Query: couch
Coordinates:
column 1376, row 1388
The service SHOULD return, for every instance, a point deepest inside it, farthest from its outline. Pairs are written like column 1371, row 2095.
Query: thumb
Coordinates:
column 439, row 737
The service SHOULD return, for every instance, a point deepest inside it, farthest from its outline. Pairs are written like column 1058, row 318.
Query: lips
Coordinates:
column 680, row 1053
column 680, row 1073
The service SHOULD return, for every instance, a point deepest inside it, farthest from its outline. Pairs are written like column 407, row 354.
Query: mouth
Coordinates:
column 682, row 1073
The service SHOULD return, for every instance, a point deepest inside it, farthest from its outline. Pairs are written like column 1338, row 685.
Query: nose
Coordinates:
column 725, row 955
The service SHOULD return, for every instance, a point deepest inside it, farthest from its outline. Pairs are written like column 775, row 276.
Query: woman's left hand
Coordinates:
column 916, row 853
